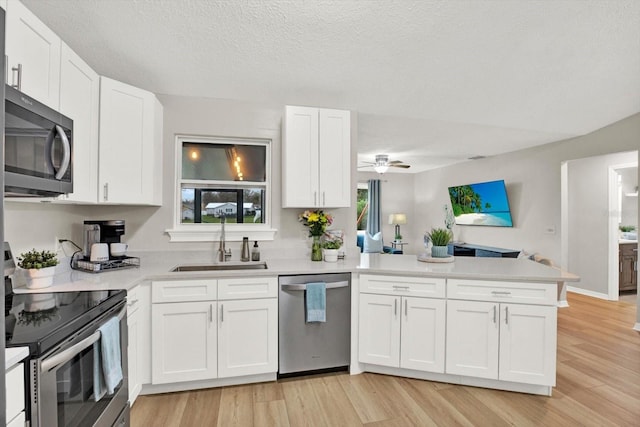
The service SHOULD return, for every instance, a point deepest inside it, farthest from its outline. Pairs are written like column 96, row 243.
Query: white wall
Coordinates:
column 588, row 233
column 629, row 212
column 533, row 185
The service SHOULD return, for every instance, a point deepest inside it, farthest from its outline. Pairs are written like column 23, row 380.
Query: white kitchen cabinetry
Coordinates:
column 184, row 333
column 316, row 163
column 139, row 351
column 14, row 392
column 403, row 331
column 247, row 337
column 208, row 329
column 130, row 159
column 79, row 100
column 512, row 341
column 33, row 55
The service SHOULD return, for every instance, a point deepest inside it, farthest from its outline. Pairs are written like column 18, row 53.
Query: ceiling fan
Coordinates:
column 382, row 163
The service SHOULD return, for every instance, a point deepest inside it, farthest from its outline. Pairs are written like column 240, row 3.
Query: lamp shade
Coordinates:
column 398, row 218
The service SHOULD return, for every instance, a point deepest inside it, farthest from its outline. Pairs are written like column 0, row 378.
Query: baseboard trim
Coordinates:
column 588, row 293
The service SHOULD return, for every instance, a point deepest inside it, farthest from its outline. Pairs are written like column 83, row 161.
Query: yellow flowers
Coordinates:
column 316, row 220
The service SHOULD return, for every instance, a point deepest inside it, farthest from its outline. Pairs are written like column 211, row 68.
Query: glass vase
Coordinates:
column 316, row 249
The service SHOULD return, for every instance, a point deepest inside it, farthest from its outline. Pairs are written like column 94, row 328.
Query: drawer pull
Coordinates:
column 398, row 287
column 498, row 293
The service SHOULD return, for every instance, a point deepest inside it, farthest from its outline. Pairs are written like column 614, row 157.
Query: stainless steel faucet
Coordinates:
column 223, row 253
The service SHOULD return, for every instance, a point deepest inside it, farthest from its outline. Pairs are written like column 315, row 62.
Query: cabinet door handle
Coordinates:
column 620, row 267
column 324, row 202
column 105, row 192
column 635, row 265
column 315, row 198
column 395, row 307
column 506, row 315
column 222, row 312
column 494, row 314
column 17, row 70
column 211, row 313
column 406, row 314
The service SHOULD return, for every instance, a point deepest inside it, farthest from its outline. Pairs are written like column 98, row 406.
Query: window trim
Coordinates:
column 211, row 232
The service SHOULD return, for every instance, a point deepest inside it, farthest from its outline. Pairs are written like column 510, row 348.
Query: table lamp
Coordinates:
column 397, row 219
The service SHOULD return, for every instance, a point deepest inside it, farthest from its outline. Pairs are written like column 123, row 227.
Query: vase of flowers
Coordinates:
column 40, row 267
column 317, row 221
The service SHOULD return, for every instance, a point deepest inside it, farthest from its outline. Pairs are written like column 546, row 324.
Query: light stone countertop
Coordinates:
column 157, row 266
column 14, row 355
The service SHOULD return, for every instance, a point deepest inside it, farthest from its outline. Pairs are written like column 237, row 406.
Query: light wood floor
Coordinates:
column 598, row 384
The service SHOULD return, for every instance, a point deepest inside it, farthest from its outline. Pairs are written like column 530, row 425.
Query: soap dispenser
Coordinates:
column 255, row 252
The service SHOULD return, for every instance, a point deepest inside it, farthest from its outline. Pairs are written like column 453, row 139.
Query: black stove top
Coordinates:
column 41, row 320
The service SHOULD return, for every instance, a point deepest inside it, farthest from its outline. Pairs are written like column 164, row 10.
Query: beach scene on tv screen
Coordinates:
column 484, row 203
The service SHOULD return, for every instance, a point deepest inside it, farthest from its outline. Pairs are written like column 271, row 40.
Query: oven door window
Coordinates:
column 75, row 390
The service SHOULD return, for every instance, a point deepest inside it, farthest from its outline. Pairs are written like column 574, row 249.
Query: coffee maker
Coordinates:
column 101, row 231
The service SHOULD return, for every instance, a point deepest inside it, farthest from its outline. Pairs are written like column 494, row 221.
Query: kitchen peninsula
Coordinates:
column 487, row 322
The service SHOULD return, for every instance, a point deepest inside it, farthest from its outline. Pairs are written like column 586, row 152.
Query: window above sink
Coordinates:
column 216, row 177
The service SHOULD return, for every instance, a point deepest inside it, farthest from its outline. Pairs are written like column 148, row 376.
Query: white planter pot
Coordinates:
column 330, row 255
column 40, row 278
column 439, row 252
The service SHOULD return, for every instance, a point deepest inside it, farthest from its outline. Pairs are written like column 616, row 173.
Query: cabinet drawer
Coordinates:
column 183, row 290
column 258, row 287
column 133, row 300
column 15, row 391
column 400, row 285
column 516, row 292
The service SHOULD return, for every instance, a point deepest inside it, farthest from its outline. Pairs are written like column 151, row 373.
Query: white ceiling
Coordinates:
column 433, row 82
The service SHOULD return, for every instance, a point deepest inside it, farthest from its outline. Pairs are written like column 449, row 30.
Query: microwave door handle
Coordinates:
column 71, row 352
column 66, row 153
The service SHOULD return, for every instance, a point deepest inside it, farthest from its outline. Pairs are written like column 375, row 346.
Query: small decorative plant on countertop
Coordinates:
column 332, row 244
column 627, row 228
column 440, row 237
column 37, row 259
column 40, row 267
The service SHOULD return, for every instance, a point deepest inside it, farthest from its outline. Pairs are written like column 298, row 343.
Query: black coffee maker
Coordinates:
column 101, row 231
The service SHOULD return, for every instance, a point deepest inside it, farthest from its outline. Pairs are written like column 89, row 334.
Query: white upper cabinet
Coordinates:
column 130, row 166
column 316, row 161
column 79, row 100
column 33, row 55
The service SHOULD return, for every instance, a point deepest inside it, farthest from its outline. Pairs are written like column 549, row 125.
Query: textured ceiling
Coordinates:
column 433, row 82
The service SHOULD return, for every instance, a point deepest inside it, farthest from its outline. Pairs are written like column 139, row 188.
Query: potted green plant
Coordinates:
column 440, row 238
column 40, row 267
column 330, row 249
column 628, row 232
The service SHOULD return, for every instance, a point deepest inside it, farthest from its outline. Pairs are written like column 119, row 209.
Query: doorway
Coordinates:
column 590, row 218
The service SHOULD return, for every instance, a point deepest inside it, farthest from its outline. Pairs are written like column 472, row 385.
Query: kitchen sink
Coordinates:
column 221, row 267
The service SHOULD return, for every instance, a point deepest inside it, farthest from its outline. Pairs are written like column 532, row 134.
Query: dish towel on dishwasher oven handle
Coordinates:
column 107, row 367
column 316, row 301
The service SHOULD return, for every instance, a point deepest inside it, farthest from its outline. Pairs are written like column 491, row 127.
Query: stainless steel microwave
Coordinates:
column 38, row 159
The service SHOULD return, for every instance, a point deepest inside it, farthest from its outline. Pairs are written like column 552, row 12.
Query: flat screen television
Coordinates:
column 484, row 203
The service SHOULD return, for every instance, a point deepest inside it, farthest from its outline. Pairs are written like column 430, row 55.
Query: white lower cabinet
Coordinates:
column 203, row 329
column 402, row 331
column 184, row 340
column 503, row 341
column 139, row 338
column 247, row 337
column 14, row 392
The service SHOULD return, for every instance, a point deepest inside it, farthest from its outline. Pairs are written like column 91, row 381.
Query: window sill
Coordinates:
column 233, row 233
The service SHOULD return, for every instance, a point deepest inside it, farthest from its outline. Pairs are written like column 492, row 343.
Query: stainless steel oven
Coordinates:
column 62, row 332
column 62, row 380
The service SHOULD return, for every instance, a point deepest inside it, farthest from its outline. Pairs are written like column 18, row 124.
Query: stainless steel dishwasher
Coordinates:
column 307, row 347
